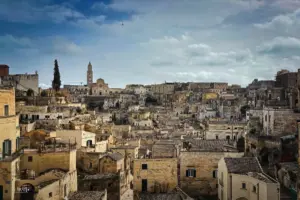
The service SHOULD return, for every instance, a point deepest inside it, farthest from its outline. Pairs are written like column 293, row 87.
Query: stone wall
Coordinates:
column 42, row 161
column 205, row 163
column 161, row 174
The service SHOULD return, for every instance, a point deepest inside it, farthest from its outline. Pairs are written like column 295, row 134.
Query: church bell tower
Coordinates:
column 90, row 74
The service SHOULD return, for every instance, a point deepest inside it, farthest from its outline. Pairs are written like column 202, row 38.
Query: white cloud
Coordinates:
column 33, row 46
column 283, row 24
column 281, row 46
column 164, row 40
column 19, row 42
column 30, row 12
column 44, row 86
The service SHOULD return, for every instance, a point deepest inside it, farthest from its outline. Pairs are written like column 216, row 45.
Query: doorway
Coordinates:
column 144, row 185
column 1, row 192
column 27, row 192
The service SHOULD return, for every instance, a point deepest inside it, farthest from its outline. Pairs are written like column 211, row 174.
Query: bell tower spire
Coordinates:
column 90, row 74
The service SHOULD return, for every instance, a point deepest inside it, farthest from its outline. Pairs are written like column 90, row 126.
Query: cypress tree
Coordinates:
column 56, row 83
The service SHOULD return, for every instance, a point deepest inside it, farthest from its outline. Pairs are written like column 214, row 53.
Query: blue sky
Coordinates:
column 161, row 40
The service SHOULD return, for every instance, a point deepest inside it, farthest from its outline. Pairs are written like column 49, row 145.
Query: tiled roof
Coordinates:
column 87, row 195
column 243, row 165
column 115, row 156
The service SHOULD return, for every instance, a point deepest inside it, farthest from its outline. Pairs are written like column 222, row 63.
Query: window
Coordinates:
column 6, row 110
column 50, row 194
column 215, row 174
column 266, row 118
column 65, row 190
column 30, row 159
column 6, row 145
column 254, row 189
column 217, row 137
column 17, row 143
column 144, row 166
column 191, row 173
column 244, row 186
column 91, row 165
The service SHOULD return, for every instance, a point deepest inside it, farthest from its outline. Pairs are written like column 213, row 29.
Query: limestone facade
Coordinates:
column 278, row 120
column 198, row 171
column 155, row 175
column 9, row 123
column 22, row 82
column 249, row 185
column 82, row 138
column 52, row 174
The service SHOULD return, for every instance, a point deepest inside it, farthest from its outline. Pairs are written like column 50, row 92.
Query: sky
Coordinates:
column 147, row 42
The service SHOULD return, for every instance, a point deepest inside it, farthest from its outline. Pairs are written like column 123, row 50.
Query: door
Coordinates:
column 27, row 192
column 1, row 192
column 144, row 185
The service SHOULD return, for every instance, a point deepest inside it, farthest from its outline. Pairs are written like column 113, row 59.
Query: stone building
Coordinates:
column 9, row 140
column 244, row 179
column 277, row 121
column 111, row 163
column 88, row 195
column 9, row 123
column 121, row 131
column 286, row 79
column 165, row 149
column 4, row 70
column 100, row 182
column 89, row 75
column 46, row 174
column 225, row 130
column 101, row 88
column 81, row 138
column 22, row 82
column 76, row 93
column 199, row 164
column 154, row 175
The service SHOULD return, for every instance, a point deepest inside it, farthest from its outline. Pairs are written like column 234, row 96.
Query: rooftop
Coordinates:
column 177, row 194
column 208, row 145
column 261, row 177
column 87, row 195
column 125, row 147
column 46, row 183
column 243, row 165
column 99, row 176
column 151, row 196
column 115, row 156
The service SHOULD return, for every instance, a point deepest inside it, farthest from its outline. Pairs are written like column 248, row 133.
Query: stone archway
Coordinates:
column 27, row 192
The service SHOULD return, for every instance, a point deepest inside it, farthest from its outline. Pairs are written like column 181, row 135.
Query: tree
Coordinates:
column 56, row 83
column 30, row 93
column 44, row 93
column 244, row 109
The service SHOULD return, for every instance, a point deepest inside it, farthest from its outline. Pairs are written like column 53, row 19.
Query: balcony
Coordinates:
column 12, row 157
column 27, row 174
